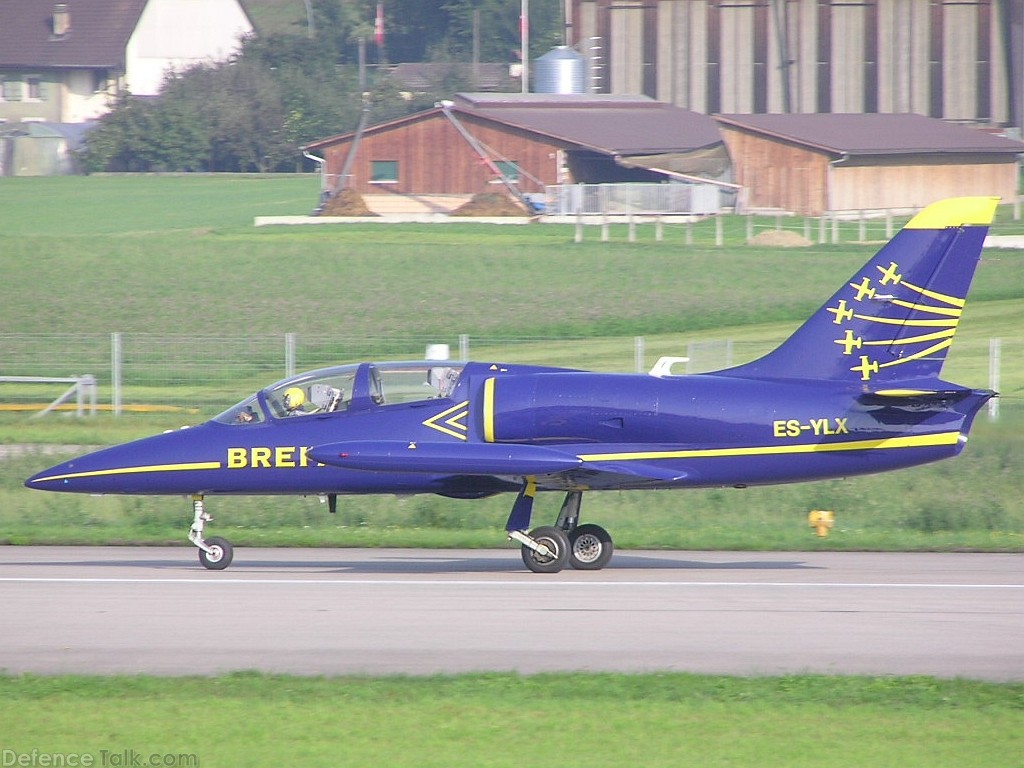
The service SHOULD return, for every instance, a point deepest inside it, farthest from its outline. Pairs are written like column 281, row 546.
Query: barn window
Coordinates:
column 384, row 172
column 509, row 170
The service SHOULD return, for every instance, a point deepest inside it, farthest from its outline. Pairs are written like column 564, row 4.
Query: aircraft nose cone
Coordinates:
column 59, row 477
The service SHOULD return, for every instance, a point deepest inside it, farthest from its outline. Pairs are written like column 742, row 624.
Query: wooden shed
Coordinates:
column 819, row 163
column 537, row 139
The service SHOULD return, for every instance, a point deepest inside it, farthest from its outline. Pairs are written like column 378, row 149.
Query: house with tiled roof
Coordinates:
column 62, row 62
column 822, row 163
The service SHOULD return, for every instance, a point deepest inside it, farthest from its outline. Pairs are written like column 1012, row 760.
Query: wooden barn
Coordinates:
column 534, row 139
column 812, row 164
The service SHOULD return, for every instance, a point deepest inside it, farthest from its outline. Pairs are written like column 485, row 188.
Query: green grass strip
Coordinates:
column 510, row 720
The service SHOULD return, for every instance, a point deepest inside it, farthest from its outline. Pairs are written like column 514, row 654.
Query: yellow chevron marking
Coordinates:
column 910, row 441
column 453, row 424
column 198, row 465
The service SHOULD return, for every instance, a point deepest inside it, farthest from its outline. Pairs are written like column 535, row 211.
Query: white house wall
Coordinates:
column 173, row 35
column 80, row 101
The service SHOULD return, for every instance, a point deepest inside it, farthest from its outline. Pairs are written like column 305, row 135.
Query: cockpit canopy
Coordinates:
column 347, row 387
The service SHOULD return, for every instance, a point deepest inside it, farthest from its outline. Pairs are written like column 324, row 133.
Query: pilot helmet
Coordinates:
column 293, row 398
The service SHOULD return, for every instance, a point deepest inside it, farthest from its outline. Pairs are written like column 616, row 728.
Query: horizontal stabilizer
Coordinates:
column 445, row 458
column 896, row 396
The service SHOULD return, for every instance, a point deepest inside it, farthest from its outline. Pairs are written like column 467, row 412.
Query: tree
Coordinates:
column 253, row 112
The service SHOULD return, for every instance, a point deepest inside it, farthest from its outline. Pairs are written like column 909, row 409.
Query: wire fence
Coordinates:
column 140, row 371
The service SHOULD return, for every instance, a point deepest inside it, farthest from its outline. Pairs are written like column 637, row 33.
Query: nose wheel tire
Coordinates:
column 590, row 547
column 219, row 556
column 557, row 555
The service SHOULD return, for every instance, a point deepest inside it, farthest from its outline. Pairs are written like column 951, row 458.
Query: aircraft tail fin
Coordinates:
column 895, row 319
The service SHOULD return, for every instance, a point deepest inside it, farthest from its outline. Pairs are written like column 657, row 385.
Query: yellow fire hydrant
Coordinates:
column 821, row 520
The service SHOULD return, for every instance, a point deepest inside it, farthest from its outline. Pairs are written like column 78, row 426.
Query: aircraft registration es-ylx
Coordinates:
column 854, row 390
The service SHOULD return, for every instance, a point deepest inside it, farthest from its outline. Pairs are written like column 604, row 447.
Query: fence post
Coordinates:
column 719, row 237
column 638, row 353
column 289, row 354
column 579, row 226
column 115, row 373
column 995, row 349
column 463, row 346
column 659, row 229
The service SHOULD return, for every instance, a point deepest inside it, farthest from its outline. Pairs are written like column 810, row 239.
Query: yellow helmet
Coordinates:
column 294, row 397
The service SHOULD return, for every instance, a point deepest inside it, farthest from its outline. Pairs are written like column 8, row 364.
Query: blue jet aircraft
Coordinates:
column 855, row 390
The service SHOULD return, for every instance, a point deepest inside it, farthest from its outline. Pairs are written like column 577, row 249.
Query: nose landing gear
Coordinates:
column 215, row 553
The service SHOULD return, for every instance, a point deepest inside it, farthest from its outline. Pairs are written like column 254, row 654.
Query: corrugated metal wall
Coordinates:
column 938, row 58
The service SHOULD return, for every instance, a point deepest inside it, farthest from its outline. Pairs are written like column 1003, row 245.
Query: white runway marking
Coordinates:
column 528, row 582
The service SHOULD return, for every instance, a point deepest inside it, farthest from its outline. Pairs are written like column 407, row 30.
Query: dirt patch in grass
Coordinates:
column 780, row 238
column 348, row 202
column 490, row 204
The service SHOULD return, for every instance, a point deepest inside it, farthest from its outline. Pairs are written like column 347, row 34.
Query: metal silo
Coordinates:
column 560, row 70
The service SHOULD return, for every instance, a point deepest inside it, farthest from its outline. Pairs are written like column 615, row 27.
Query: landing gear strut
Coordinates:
column 215, row 553
column 549, row 548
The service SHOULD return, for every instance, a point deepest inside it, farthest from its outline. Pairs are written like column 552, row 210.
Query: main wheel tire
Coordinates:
column 558, row 544
column 590, row 547
column 220, row 554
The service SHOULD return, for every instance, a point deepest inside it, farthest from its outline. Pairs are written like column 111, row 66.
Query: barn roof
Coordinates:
column 613, row 125
column 629, row 125
column 873, row 134
column 98, row 33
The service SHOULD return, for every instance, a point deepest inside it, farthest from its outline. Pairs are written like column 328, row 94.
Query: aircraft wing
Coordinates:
column 492, row 459
column 446, row 458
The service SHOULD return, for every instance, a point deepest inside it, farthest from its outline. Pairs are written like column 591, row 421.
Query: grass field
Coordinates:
column 178, row 255
column 506, row 720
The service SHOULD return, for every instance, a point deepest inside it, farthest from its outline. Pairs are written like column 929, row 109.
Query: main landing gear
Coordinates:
column 549, row 548
column 215, row 553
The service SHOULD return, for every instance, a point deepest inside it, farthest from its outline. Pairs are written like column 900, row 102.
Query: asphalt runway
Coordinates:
column 348, row 611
